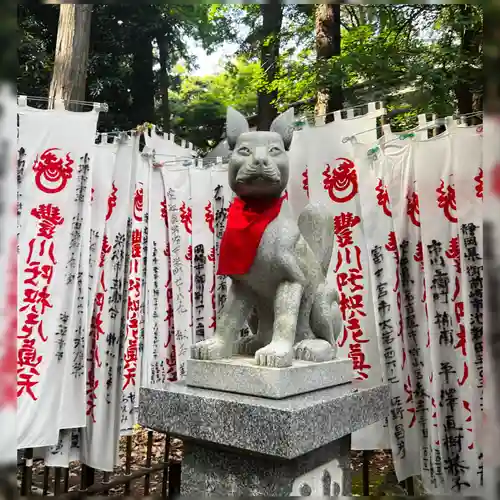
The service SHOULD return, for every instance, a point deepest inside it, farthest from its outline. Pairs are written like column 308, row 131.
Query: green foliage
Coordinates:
column 426, row 57
column 199, row 105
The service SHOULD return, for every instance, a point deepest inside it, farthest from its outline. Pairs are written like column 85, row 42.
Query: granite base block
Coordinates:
column 215, row 470
column 283, row 428
column 243, row 376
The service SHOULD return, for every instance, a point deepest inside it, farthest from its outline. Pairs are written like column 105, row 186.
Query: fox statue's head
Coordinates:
column 258, row 165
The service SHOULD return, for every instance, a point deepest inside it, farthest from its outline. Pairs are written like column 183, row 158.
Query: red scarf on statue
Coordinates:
column 246, row 223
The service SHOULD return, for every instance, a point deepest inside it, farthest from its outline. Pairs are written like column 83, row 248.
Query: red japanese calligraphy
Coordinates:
column 105, row 249
column 453, row 252
column 209, row 216
column 342, row 340
column 186, row 217
column 49, row 217
column 383, row 198
column 189, row 253
column 468, row 420
column 171, row 362
column 392, row 246
column 412, row 410
column 305, row 181
column 459, row 311
column 211, row 255
column 92, row 385
column 413, row 208
column 461, row 339
column 136, row 243
column 435, row 416
column 447, row 201
column 51, row 171
column 479, row 184
column 138, row 203
column 92, row 195
column 130, row 358
column 343, row 225
column 111, row 201
column 214, row 307
column 352, row 303
column 164, row 212
column 347, row 255
column 358, row 361
column 36, row 297
column 342, row 179
column 419, row 255
column 351, row 278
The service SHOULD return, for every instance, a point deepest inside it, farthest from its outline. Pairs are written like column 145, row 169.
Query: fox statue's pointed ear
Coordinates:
column 283, row 125
column 236, row 124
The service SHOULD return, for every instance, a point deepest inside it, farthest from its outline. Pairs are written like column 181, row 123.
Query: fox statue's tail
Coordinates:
column 316, row 226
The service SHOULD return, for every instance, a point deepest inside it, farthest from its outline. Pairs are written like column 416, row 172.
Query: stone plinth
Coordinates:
column 247, row 446
column 243, row 376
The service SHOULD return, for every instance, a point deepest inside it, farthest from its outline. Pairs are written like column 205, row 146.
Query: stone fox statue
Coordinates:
column 277, row 266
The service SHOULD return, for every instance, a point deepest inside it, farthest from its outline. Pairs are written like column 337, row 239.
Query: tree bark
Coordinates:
column 329, row 97
column 272, row 17
column 69, row 77
column 164, row 80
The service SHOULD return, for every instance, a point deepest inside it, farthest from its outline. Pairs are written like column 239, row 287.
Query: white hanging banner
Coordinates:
column 222, row 197
column 8, row 271
column 298, row 182
column 467, row 144
column 102, row 203
column 65, row 451
column 164, row 146
column 490, row 435
column 177, row 188
column 384, row 266
column 451, row 387
column 102, row 199
column 72, row 406
column 134, row 329
column 203, row 251
column 469, row 181
column 159, row 352
column 51, row 220
column 404, row 201
column 99, row 438
column 333, row 181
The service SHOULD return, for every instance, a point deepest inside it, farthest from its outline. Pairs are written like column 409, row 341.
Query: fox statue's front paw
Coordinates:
column 210, row 349
column 275, row 354
column 249, row 345
column 316, row 350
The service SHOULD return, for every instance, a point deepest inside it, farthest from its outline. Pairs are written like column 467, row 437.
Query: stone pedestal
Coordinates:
column 251, row 446
column 240, row 374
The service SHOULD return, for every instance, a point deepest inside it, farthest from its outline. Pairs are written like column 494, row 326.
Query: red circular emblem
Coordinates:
column 52, row 171
column 341, row 182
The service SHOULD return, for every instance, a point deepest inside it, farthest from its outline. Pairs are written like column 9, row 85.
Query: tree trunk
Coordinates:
column 469, row 51
column 329, row 96
column 143, row 85
column 72, row 54
column 164, row 80
column 272, row 17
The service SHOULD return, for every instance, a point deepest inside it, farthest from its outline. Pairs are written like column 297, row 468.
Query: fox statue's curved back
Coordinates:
column 277, row 265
